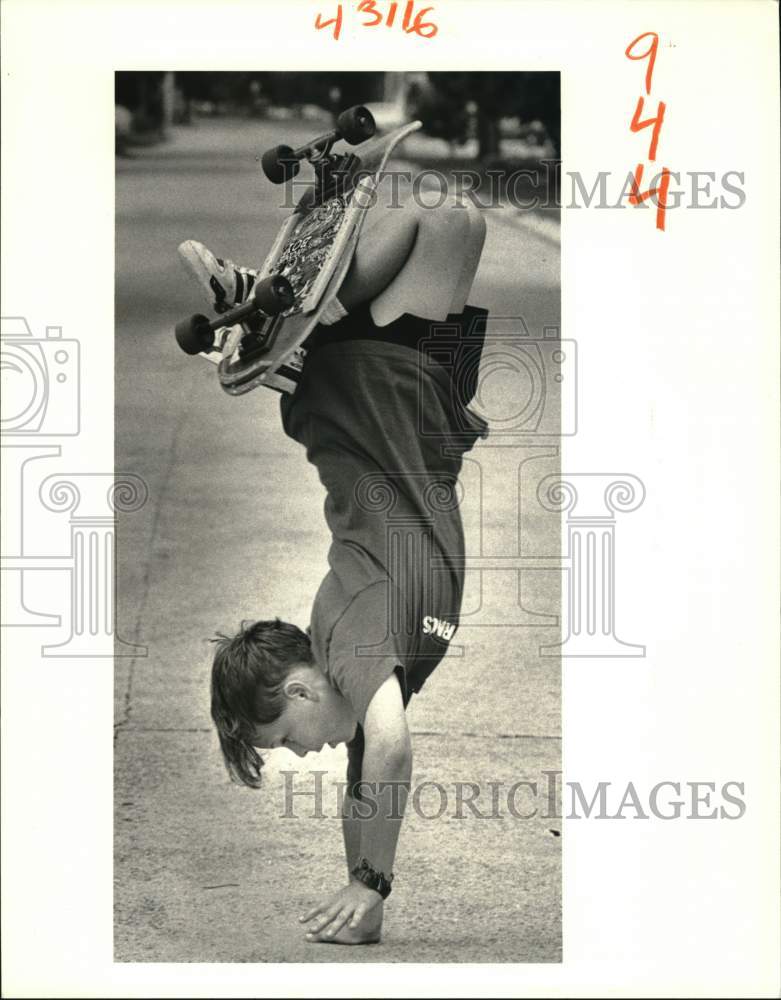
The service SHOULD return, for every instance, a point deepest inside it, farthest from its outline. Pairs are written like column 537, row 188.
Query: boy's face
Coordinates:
column 314, row 714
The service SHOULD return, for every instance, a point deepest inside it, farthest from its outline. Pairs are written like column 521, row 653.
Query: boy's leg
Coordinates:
column 416, row 260
column 413, row 259
column 472, row 254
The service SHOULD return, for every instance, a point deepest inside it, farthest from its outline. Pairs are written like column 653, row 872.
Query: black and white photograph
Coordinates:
column 390, row 452
column 346, row 729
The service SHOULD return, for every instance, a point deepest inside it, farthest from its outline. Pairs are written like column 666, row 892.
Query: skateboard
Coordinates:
column 308, row 260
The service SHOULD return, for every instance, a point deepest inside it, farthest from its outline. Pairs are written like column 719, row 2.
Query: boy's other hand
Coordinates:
column 344, row 912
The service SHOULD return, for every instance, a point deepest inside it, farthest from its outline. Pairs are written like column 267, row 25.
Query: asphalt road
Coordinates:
column 204, row 870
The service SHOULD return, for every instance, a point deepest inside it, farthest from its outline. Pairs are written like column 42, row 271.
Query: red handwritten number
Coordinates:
column 426, row 29
column 650, row 55
column 636, row 195
column 336, row 21
column 370, row 7
column 412, row 23
column 637, row 125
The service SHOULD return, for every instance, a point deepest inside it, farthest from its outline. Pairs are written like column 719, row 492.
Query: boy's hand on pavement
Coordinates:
column 348, row 906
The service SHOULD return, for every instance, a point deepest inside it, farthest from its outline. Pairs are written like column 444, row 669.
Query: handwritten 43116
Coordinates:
column 390, row 15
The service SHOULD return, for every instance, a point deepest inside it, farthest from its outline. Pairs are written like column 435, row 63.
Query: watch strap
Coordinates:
column 372, row 879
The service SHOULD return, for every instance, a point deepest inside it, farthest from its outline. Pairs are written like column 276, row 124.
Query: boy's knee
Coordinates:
column 448, row 221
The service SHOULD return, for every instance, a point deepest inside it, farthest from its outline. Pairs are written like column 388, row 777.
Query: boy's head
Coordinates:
column 267, row 691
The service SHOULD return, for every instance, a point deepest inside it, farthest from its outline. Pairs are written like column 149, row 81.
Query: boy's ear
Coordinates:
column 299, row 690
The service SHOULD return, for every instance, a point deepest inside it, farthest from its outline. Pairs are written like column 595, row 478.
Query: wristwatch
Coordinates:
column 371, row 878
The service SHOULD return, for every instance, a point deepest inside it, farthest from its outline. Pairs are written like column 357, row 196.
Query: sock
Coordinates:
column 333, row 312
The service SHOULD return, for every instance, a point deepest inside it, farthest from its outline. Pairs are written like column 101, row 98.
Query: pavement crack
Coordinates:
column 415, row 732
column 484, row 736
column 127, row 699
column 164, row 729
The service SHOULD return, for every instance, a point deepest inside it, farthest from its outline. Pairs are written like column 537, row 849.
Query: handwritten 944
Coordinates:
column 637, row 51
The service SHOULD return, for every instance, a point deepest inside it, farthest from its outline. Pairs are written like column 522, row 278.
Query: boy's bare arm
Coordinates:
column 385, row 775
column 386, row 772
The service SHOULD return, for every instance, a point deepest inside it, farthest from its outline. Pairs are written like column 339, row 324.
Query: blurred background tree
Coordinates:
column 453, row 106
column 458, row 106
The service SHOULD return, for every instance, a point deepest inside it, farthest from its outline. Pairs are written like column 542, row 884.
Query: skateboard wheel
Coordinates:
column 274, row 294
column 279, row 164
column 194, row 335
column 356, row 124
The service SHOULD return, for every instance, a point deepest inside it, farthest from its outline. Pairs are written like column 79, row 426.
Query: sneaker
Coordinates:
column 224, row 283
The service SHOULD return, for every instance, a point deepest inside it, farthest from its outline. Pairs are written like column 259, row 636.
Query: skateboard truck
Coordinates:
column 271, row 296
column 282, row 163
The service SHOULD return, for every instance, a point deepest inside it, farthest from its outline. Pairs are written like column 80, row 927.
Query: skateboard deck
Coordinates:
column 305, row 266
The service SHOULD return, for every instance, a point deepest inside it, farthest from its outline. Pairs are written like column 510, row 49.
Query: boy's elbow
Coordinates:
column 392, row 756
column 400, row 757
column 386, row 733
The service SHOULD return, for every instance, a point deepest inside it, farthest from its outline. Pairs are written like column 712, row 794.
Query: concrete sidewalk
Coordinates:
column 207, row 871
